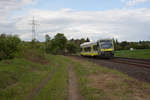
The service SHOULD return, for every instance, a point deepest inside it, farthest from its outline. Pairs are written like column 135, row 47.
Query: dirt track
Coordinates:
column 73, row 86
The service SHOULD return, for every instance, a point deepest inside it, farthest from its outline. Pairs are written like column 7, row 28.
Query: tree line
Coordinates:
column 60, row 45
column 125, row 45
column 12, row 46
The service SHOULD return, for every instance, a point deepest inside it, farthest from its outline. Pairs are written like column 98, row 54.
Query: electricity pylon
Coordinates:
column 34, row 24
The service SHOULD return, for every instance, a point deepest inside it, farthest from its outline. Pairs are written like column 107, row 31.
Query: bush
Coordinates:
column 9, row 46
column 72, row 48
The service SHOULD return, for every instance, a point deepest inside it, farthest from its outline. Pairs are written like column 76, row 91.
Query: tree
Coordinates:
column 116, row 44
column 60, row 40
column 82, row 40
column 47, row 38
column 72, row 48
column 58, row 44
column 47, row 43
column 87, row 40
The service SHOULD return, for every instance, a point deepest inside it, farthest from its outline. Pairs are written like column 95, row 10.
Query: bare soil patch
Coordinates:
column 114, row 86
column 73, row 85
column 35, row 56
column 37, row 59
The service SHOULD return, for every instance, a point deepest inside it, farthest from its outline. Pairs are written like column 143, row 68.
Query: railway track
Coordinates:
column 136, row 68
column 128, row 61
column 132, row 61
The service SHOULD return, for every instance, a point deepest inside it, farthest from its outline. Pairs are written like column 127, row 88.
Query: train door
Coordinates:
column 99, row 48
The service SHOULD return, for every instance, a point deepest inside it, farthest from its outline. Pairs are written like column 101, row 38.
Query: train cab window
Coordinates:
column 87, row 49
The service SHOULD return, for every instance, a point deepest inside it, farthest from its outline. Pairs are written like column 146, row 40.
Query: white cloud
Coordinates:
column 133, row 2
column 7, row 24
column 122, row 0
column 124, row 24
column 7, row 6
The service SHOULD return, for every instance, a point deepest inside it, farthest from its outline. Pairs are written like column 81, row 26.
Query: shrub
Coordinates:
column 9, row 46
column 72, row 48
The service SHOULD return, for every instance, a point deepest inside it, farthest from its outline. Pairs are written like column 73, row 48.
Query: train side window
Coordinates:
column 95, row 47
column 89, row 49
column 85, row 49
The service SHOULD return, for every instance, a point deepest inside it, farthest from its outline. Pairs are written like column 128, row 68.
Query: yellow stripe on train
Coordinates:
column 89, row 54
column 106, row 49
column 94, row 53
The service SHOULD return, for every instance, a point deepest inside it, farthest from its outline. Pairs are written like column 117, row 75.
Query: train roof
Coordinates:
column 105, row 39
column 87, row 43
column 94, row 43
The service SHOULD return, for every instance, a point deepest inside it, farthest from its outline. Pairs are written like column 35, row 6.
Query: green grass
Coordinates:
column 18, row 76
column 57, row 87
column 142, row 54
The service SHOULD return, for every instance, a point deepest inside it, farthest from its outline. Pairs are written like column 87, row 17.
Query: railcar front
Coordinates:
column 106, row 48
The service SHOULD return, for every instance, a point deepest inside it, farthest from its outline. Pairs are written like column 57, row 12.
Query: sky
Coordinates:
column 125, row 20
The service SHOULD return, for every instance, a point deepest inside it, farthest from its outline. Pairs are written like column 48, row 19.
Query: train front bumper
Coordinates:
column 107, row 53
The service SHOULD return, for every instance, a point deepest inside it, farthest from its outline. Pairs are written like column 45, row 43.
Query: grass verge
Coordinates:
column 100, row 83
column 18, row 76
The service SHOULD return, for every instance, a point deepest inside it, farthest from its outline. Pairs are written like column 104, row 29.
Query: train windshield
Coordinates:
column 106, row 44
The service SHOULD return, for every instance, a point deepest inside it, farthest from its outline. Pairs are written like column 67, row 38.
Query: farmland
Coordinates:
column 140, row 53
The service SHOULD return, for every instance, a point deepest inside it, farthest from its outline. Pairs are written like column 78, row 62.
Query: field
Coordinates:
column 25, row 79
column 142, row 54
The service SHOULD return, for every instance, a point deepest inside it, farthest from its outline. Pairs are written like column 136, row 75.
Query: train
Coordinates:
column 101, row 48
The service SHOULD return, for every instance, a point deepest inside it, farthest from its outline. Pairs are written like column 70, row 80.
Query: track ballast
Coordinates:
column 140, row 69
